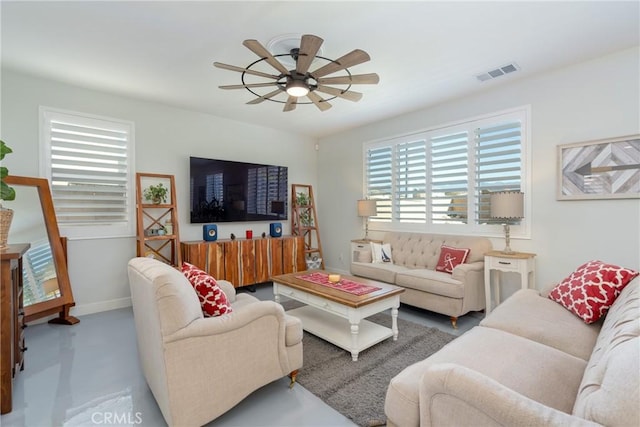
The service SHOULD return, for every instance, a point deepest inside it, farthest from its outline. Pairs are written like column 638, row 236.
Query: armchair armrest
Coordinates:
column 228, row 289
column 237, row 319
column 454, row 395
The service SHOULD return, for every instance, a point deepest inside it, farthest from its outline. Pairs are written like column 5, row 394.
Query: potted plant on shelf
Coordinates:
column 6, row 193
column 156, row 193
column 302, row 199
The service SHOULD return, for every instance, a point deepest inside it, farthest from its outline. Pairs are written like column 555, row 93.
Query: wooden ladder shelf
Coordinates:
column 304, row 221
column 162, row 245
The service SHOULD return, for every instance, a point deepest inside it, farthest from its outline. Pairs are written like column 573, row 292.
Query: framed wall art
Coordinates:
column 603, row 169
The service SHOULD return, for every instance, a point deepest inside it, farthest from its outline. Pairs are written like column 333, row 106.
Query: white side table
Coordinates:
column 517, row 262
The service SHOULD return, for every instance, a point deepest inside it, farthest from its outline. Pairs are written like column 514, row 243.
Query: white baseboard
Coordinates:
column 97, row 307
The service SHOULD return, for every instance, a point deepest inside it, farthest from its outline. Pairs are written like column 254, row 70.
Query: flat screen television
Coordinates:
column 228, row 191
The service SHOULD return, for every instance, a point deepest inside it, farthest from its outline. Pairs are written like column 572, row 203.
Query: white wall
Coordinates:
column 584, row 102
column 165, row 137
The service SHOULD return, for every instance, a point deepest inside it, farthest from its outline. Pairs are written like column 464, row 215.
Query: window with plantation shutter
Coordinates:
column 379, row 180
column 498, row 164
column 449, row 176
column 410, row 181
column 37, row 269
column 88, row 161
column 442, row 178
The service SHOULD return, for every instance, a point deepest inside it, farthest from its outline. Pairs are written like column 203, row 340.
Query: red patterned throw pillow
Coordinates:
column 450, row 257
column 589, row 291
column 212, row 300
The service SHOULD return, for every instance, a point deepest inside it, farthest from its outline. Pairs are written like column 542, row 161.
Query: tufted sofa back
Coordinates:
column 610, row 389
column 422, row 250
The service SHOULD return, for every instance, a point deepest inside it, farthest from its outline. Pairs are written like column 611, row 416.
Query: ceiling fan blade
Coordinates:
column 352, row 58
column 291, row 103
column 244, row 70
column 309, row 46
column 257, row 48
column 322, row 105
column 270, row 95
column 350, row 95
column 371, row 79
column 248, row 85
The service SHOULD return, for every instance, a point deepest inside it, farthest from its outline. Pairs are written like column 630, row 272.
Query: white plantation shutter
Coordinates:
column 379, row 179
column 90, row 170
column 449, row 177
column 498, row 164
column 410, row 181
column 443, row 177
column 37, row 268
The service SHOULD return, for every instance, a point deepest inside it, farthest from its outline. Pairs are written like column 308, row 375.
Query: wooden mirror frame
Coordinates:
column 64, row 302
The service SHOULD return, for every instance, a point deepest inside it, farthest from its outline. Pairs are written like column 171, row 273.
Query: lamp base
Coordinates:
column 507, row 248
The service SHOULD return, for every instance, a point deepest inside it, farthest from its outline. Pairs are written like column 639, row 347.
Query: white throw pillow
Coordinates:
column 381, row 252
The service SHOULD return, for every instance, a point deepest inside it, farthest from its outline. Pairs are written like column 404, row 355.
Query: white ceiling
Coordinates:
column 425, row 52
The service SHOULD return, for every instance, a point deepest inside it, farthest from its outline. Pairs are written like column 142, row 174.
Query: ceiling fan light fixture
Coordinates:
column 297, row 88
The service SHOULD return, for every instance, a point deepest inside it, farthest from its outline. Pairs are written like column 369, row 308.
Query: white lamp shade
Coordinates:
column 367, row 208
column 507, row 204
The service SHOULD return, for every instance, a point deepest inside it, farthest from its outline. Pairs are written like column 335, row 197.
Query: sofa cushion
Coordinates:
column 591, row 289
column 212, row 300
column 433, row 282
column 529, row 315
column 451, row 257
column 377, row 271
column 534, row 370
column 610, row 389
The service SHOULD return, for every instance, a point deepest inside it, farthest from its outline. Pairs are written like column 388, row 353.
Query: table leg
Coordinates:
column 394, row 322
column 354, row 341
column 276, row 295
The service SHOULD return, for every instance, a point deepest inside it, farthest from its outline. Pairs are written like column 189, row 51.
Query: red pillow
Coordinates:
column 450, row 257
column 590, row 290
column 212, row 300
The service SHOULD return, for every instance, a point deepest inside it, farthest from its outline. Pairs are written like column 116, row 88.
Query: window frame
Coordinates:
column 521, row 230
column 97, row 229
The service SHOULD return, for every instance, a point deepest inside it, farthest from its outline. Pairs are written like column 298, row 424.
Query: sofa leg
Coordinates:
column 293, row 375
column 454, row 322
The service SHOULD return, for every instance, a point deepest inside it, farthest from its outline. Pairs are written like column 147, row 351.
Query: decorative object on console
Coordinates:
column 589, row 291
column 603, row 169
column 507, row 205
column 275, row 229
column 210, row 232
column 451, row 257
column 299, row 81
column 232, row 237
column 248, row 234
column 212, row 300
column 6, row 193
column 264, row 235
column 381, row 252
column 367, row 208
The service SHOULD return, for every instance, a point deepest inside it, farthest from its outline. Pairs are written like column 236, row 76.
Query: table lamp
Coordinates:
column 509, row 206
column 366, row 209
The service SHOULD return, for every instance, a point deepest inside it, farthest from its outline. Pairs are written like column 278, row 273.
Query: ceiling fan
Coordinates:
column 300, row 82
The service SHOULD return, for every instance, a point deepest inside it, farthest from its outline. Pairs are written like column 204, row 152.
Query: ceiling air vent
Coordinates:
column 501, row 71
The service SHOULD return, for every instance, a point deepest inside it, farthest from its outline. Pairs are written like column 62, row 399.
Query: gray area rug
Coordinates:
column 358, row 389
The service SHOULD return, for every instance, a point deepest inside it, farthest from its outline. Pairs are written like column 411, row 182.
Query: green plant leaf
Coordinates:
column 4, row 172
column 4, row 149
column 6, row 192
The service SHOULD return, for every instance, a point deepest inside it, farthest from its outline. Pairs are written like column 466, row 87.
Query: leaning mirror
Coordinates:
column 47, row 289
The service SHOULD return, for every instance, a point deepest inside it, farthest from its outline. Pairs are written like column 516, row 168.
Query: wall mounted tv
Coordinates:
column 228, row 191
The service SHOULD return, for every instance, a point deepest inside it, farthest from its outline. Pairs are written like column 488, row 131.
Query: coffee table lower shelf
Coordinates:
column 337, row 330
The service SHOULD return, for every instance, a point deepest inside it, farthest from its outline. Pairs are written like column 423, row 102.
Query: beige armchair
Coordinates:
column 198, row 368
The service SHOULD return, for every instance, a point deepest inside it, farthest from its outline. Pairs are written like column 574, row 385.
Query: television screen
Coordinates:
column 227, row 191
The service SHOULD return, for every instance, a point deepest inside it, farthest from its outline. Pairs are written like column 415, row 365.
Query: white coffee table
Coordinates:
column 338, row 316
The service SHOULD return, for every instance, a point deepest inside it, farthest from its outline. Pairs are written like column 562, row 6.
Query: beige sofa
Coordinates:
column 198, row 368
column 415, row 256
column 531, row 362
